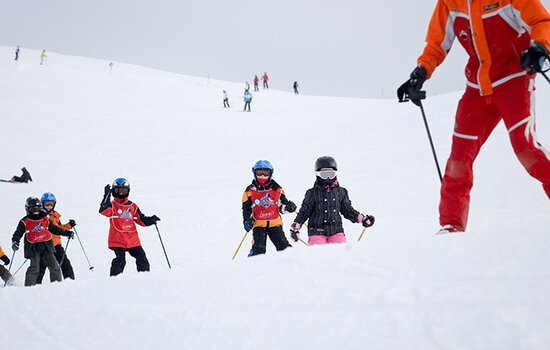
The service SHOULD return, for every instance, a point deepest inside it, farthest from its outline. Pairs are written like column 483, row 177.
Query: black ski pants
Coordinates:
column 276, row 235
column 119, row 262
column 4, row 274
column 247, row 104
column 225, row 103
column 34, row 268
column 64, row 263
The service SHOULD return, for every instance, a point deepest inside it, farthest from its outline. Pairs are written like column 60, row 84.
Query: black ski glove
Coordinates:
column 69, row 234
column 290, row 207
column 535, row 59
column 154, row 219
column 15, row 246
column 248, row 225
column 72, row 223
column 295, row 231
column 5, row 259
column 368, row 220
column 107, row 191
column 410, row 90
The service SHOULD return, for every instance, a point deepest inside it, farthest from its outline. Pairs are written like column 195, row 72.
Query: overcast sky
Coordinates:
column 362, row 48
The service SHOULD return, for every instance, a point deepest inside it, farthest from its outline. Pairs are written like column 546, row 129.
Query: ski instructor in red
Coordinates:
column 507, row 42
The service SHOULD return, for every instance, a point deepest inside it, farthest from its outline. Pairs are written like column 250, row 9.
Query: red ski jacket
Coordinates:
column 494, row 33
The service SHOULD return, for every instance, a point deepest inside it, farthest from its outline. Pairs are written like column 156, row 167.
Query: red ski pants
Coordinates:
column 476, row 117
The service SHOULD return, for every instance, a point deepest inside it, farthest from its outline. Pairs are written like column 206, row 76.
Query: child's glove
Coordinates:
column 366, row 220
column 70, row 234
column 72, row 223
column 295, row 231
column 290, row 207
column 248, row 225
column 155, row 219
column 107, row 191
column 15, row 246
column 5, row 259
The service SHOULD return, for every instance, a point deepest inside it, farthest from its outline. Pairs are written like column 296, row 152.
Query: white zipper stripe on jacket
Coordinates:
column 474, row 40
column 500, row 81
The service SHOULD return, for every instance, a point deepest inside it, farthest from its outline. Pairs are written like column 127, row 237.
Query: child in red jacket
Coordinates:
column 123, row 215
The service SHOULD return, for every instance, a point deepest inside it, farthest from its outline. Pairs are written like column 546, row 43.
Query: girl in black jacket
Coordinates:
column 323, row 205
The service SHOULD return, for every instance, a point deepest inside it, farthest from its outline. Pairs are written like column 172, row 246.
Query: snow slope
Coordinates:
column 76, row 127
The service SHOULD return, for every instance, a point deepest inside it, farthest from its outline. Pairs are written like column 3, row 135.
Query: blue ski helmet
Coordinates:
column 120, row 183
column 263, row 164
column 49, row 197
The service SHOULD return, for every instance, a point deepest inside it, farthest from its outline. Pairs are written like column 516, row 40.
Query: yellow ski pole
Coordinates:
column 304, row 242
column 362, row 233
column 240, row 244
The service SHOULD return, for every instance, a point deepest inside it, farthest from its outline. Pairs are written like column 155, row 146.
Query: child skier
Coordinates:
column 247, row 100
column 262, row 202
column 48, row 204
column 323, row 205
column 123, row 215
column 4, row 273
column 38, row 229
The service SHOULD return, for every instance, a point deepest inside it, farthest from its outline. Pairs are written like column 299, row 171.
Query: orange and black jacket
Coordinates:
column 494, row 33
column 55, row 218
column 248, row 205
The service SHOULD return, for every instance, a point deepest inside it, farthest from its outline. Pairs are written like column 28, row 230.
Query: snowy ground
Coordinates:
column 76, row 127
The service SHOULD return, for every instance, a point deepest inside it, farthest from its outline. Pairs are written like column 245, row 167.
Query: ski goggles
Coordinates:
column 326, row 174
column 263, row 172
column 122, row 191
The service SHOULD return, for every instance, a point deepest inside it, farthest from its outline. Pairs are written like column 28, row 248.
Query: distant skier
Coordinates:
column 5, row 275
column 48, row 204
column 265, row 79
column 507, row 43
column 37, row 230
column 295, row 87
column 262, row 203
column 225, row 99
column 24, row 178
column 256, row 82
column 247, row 100
column 17, row 50
column 246, row 86
column 323, row 205
column 123, row 216
column 43, row 57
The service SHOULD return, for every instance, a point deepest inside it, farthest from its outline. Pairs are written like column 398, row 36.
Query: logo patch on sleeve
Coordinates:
column 491, row 7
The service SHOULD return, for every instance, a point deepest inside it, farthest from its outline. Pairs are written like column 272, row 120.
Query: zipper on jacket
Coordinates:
column 474, row 35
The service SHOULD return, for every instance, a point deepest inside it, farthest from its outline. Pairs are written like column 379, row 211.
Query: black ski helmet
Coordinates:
column 120, row 183
column 32, row 202
column 325, row 162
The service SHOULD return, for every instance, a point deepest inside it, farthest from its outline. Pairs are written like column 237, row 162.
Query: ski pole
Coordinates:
column 419, row 103
column 162, row 244
column 20, row 267
column 545, row 77
column 362, row 233
column 64, row 253
column 9, row 267
column 304, row 242
column 240, row 244
column 83, row 251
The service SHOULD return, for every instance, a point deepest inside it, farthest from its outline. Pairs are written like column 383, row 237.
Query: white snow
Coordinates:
column 76, row 127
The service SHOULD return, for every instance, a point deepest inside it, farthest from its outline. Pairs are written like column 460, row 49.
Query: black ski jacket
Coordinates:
column 323, row 205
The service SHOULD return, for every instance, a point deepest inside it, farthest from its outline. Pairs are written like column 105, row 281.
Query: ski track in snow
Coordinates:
column 76, row 128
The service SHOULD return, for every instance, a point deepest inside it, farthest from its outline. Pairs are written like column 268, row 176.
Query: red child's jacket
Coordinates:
column 123, row 216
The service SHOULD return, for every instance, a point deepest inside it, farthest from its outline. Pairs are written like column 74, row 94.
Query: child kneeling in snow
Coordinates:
column 323, row 205
column 263, row 201
column 123, row 215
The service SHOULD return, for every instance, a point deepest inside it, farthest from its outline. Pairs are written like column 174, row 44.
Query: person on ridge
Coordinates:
column 507, row 43
column 263, row 203
column 323, row 205
column 17, row 50
column 256, row 81
column 123, row 216
column 43, row 57
column 265, row 79
column 225, row 99
column 48, row 205
column 37, row 230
